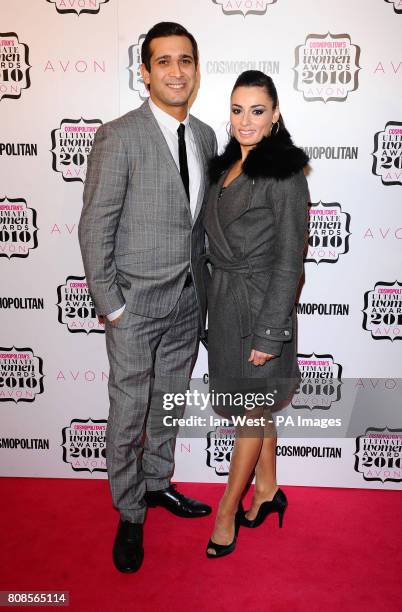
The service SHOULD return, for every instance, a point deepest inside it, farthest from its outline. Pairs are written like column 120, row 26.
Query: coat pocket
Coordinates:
column 137, row 262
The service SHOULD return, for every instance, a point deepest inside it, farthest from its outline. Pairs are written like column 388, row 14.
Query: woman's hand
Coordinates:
column 258, row 358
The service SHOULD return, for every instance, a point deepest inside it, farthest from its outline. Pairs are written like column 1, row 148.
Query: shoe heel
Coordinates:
column 280, row 517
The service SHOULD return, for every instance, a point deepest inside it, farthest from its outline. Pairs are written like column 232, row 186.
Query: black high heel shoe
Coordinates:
column 277, row 504
column 225, row 549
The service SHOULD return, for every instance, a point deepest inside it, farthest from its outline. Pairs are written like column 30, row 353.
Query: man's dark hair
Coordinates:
column 164, row 29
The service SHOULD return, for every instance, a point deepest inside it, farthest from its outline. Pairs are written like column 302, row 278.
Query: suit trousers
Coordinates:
column 148, row 357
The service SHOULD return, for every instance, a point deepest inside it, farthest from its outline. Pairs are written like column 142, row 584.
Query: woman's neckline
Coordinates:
column 232, row 181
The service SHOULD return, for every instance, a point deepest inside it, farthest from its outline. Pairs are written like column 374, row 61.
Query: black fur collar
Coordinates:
column 273, row 157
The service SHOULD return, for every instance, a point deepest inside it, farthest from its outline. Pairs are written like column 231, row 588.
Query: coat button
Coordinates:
column 286, row 332
column 267, row 331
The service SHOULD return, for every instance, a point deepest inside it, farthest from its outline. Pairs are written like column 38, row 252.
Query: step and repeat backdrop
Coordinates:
column 67, row 67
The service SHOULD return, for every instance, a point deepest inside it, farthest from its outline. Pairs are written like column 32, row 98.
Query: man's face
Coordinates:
column 173, row 73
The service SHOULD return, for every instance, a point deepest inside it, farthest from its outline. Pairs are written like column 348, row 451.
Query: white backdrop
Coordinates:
column 66, row 66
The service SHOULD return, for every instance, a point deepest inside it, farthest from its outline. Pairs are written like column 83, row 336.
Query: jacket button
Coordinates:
column 286, row 332
column 267, row 331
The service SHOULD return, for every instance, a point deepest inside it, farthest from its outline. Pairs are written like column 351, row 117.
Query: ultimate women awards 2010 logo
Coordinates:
column 378, row 454
column 78, row 6
column 220, row 443
column 84, row 445
column 382, row 314
column 76, row 308
column 136, row 82
column 320, row 384
column 18, row 230
column 21, row 374
column 71, row 145
column 326, row 67
column 14, row 66
column 387, row 154
column 328, row 232
column 244, row 7
column 397, row 5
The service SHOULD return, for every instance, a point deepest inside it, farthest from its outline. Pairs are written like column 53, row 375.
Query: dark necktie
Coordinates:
column 183, row 159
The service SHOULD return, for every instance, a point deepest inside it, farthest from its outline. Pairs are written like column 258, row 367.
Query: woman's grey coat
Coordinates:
column 256, row 234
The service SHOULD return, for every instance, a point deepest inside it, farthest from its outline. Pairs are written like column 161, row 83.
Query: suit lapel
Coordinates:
column 157, row 136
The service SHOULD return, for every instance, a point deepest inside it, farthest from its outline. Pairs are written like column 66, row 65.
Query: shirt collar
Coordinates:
column 165, row 119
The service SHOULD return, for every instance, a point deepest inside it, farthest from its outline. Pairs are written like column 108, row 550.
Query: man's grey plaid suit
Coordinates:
column 138, row 240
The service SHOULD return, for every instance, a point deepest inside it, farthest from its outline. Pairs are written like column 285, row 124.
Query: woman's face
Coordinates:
column 251, row 115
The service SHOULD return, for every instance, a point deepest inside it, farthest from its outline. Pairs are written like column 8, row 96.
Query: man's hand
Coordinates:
column 116, row 319
column 257, row 358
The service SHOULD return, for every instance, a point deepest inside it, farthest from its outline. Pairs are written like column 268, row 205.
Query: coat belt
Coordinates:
column 242, row 266
column 238, row 270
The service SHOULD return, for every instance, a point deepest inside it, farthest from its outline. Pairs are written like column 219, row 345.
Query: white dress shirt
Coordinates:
column 168, row 126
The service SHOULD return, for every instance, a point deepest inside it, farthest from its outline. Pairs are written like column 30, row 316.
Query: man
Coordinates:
column 140, row 232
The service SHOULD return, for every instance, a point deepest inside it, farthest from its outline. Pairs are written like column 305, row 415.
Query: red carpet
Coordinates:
column 339, row 549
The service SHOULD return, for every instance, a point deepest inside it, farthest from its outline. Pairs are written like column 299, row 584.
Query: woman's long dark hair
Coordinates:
column 280, row 136
column 256, row 78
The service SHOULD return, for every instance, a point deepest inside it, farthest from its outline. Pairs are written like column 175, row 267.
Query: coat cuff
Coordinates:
column 269, row 339
column 105, row 304
column 271, row 347
column 270, row 332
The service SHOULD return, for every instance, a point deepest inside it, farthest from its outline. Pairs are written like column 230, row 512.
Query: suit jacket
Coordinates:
column 136, row 231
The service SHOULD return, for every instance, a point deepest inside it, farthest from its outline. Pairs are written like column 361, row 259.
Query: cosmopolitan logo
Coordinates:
column 220, row 444
column 14, row 66
column 25, row 443
column 331, row 152
column 244, row 7
column 136, row 82
column 84, row 445
column 326, row 67
column 328, row 229
column 20, row 375
column 76, row 308
column 18, row 149
column 383, row 311
column 320, row 384
column 322, row 452
column 379, row 454
column 323, row 309
column 17, row 228
column 78, row 6
column 397, row 5
column 71, row 145
column 387, row 154
column 21, row 303
column 236, row 67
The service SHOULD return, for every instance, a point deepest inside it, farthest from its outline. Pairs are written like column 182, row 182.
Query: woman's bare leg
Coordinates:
column 245, row 454
column 265, row 475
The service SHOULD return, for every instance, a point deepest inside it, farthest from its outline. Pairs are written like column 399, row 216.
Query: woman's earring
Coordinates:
column 273, row 127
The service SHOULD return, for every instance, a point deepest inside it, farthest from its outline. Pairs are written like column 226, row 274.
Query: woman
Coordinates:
column 256, row 222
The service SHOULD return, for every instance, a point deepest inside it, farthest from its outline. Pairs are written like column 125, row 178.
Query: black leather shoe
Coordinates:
column 177, row 503
column 128, row 551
